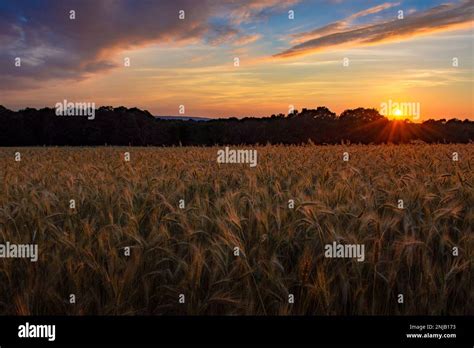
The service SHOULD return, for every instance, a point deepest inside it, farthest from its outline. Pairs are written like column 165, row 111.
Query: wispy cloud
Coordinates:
column 247, row 39
column 252, row 10
column 341, row 25
column 373, row 10
column 441, row 18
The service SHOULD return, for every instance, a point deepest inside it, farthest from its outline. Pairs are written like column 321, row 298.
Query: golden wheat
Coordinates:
column 190, row 251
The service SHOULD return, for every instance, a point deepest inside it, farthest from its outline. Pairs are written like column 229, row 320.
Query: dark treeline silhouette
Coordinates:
column 123, row 126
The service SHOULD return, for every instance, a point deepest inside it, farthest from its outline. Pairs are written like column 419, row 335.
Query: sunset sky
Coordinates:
column 283, row 61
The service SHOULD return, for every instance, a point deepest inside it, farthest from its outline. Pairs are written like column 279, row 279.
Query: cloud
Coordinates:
column 329, row 29
column 373, row 10
column 228, row 34
column 52, row 46
column 338, row 26
column 221, row 34
column 441, row 18
column 247, row 39
column 250, row 10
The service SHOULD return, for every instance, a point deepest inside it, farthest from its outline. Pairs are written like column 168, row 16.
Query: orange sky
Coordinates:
column 362, row 56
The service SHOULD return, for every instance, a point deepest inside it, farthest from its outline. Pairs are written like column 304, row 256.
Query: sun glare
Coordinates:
column 397, row 113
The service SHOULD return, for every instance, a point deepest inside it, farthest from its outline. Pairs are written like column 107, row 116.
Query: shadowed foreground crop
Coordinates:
column 191, row 251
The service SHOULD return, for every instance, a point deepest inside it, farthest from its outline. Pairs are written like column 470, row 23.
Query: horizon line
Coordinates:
column 420, row 119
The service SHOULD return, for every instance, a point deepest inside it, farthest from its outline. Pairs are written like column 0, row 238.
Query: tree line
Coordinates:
column 135, row 127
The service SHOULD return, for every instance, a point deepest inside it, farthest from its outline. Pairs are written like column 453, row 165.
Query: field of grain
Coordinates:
column 191, row 251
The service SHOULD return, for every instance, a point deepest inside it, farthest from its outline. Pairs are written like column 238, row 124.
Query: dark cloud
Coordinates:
column 443, row 17
column 52, row 46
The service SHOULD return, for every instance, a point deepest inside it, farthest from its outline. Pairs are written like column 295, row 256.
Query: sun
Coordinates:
column 397, row 113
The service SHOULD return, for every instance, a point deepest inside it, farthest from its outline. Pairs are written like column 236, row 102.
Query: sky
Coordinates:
column 235, row 58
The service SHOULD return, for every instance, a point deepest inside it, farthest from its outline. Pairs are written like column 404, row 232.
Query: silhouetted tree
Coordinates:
column 123, row 126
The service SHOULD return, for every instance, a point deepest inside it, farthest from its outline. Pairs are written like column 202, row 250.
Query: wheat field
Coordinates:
column 191, row 250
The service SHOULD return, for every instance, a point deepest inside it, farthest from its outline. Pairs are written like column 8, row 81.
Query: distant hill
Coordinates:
column 131, row 126
column 184, row 118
